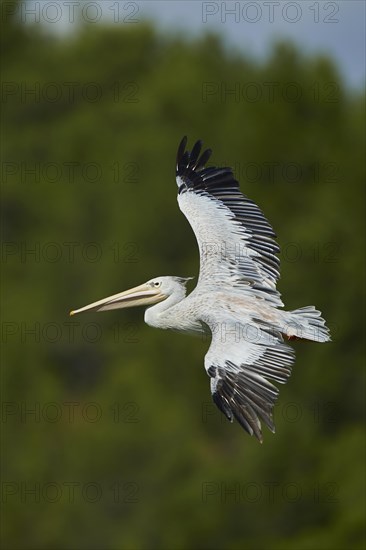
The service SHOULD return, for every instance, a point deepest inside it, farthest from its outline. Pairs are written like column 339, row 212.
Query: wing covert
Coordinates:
column 235, row 240
column 241, row 375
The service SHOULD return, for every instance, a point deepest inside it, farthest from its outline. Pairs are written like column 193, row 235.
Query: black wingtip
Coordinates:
column 181, row 149
column 195, row 153
column 202, row 161
column 192, row 160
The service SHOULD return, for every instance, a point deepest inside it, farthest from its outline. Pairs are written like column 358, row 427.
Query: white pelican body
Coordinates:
column 235, row 299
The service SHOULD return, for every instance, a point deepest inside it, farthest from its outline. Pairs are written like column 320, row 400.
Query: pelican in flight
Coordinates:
column 235, row 299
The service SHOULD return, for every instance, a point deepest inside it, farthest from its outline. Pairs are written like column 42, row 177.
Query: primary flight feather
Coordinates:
column 235, row 298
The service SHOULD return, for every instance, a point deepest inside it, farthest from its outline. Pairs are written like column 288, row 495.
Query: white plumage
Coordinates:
column 235, row 298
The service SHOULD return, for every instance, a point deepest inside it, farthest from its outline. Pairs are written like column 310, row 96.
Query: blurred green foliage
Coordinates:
column 124, row 448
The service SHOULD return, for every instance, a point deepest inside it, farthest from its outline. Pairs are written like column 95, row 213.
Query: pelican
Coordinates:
column 235, row 298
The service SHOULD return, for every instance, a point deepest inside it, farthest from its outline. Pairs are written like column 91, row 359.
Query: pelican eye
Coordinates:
column 157, row 284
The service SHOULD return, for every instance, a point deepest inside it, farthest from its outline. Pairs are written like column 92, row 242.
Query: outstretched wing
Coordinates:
column 236, row 242
column 241, row 366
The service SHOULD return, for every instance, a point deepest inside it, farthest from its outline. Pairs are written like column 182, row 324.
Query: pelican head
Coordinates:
column 150, row 293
